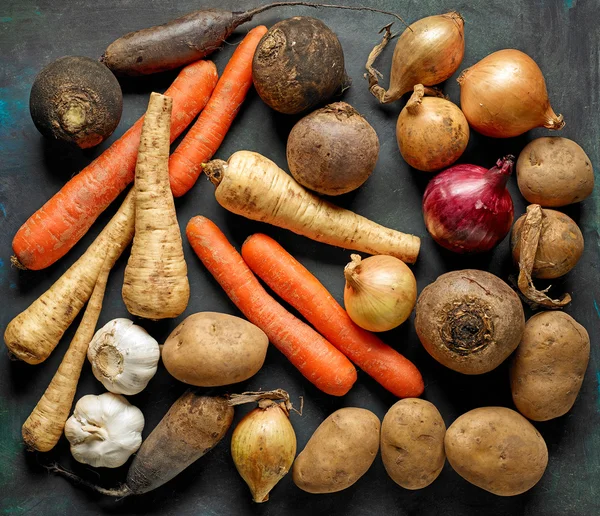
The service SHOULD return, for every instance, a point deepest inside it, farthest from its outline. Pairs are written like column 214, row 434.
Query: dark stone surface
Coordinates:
column 563, row 37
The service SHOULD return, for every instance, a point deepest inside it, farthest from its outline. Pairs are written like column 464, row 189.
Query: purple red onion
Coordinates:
column 468, row 209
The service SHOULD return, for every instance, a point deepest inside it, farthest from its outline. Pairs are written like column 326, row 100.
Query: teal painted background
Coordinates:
column 562, row 35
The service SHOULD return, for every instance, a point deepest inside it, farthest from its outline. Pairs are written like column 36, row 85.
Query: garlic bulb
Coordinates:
column 104, row 430
column 124, row 356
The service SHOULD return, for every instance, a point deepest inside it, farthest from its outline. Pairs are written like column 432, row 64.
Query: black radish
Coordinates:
column 76, row 100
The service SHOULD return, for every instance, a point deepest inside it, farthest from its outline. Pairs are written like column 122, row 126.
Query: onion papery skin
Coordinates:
column 467, row 208
column 504, row 95
column 432, row 132
column 427, row 53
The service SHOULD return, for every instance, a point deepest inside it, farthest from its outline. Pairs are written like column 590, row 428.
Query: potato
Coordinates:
column 559, row 248
column 549, row 364
column 412, row 443
column 209, row 349
column 496, row 449
column 554, row 171
column 340, row 451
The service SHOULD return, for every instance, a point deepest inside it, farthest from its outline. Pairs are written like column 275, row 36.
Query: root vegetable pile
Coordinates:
column 298, row 287
column 44, row 426
column 33, row 334
column 317, row 359
column 58, row 225
column 469, row 321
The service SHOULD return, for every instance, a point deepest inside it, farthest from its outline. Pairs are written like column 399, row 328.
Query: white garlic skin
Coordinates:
column 124, row 356
column 105, row 430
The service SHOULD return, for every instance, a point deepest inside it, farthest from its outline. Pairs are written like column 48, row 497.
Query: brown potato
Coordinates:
column 548, row 367
column 210, row 349
column 559, row 248
column 554, row 171
column 412, row 443
column 497, row 449
column 340, row 451
column 332, row 150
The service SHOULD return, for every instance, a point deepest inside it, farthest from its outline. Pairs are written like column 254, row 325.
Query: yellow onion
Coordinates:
column 432, row 132
column 505, row 95
column 380, row 292
column 428, row 52
column 263, row 445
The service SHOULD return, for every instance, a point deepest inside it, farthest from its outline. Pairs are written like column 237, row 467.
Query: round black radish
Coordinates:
column 298, row 64
column 76, row 100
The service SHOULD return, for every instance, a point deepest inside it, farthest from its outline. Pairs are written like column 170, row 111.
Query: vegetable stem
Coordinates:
column 121, row 492
column 215, row 170
column 248, row 15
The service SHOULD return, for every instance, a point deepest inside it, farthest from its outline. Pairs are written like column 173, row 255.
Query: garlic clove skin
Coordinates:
column 105, row 430
column 124, row 356
column 263, row 448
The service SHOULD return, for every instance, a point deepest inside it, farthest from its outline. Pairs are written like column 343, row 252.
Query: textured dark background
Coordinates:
column 563, row 37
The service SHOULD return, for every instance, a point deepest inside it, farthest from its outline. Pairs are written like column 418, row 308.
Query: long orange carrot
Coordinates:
column 297, row 286
column 59, row 224
column 207, row 134
column 319, row 362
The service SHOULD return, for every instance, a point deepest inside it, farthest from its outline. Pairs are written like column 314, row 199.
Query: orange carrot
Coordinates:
column 58, row 225
column 207, row 134
column 297, row 286
column 319, row 362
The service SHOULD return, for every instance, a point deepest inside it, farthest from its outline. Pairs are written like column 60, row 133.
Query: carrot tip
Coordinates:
column 14, row 261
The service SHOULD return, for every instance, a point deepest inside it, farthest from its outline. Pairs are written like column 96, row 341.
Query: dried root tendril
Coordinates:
column 466, row 327
column 530, row 237
column 266, row 399
column 373, row 75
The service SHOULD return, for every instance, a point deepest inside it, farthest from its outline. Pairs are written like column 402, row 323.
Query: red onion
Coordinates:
column 468, row 208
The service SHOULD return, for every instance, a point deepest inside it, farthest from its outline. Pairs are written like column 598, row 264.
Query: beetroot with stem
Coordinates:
column 187, row 39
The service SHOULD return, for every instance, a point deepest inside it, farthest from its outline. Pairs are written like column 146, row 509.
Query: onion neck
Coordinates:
column 351, row 272
column 499, row 174
column 414, row 102
column 553, row 121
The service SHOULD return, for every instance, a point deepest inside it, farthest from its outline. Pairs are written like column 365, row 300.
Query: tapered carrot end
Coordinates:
column 14, row 261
